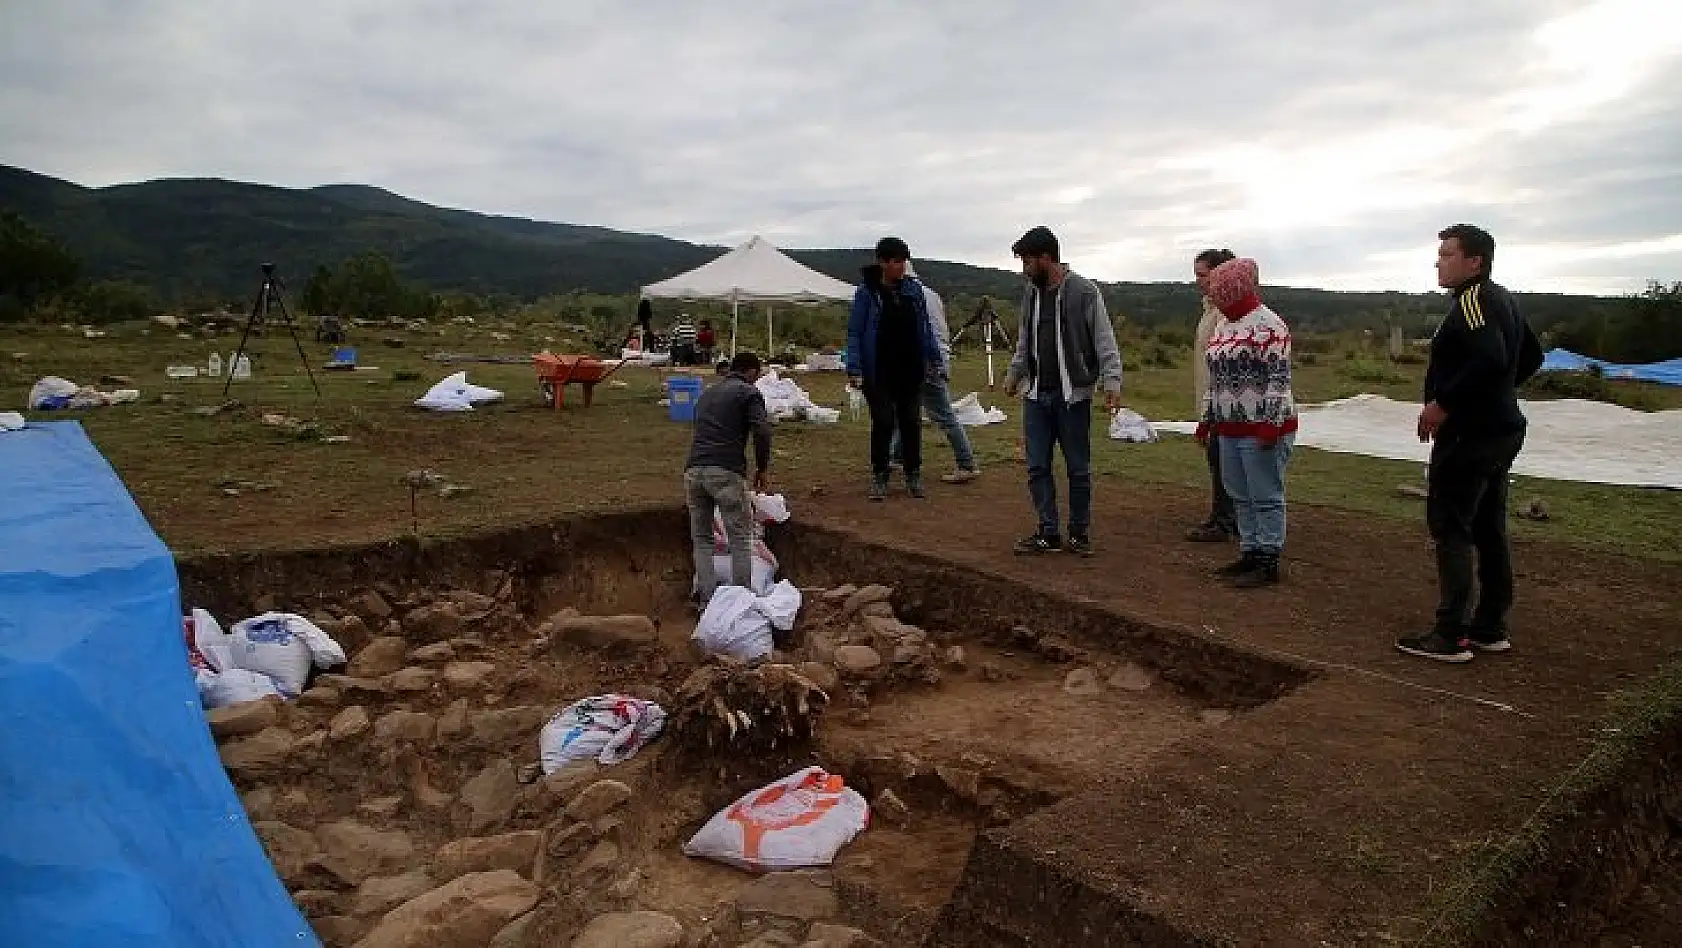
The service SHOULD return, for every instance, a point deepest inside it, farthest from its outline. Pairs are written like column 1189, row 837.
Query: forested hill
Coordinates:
column 200, row 238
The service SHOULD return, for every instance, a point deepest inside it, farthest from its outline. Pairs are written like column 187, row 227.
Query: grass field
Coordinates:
column 228, row 481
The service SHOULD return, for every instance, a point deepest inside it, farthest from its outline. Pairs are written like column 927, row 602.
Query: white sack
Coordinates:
column 207, row 645
column 800, row 821
column 46, row 392
column 234, row 686
column 455, row 393
column 764, row 573
column 282, row 646
column 970, row 414
column 767, row 508
column 1128, row 425
column 738, row 623
column 608, row 729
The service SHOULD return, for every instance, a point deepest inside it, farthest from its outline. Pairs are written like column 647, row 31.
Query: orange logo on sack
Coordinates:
column 754, row 827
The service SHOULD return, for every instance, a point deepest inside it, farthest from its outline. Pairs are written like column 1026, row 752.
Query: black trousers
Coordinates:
column 1466, row 508
column 895, row 403
column 1220, row 502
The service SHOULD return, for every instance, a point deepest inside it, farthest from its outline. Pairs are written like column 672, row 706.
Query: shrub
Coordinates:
column 1592, row 385
column 1372, row 372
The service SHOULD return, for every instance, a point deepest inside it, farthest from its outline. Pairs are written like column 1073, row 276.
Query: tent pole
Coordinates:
column 770, row 345
column 735, row 322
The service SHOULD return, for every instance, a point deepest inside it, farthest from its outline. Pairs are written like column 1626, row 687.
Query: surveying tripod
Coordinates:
column 988, row 319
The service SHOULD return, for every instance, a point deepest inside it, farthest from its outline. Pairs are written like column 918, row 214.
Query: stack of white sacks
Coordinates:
column 270, row 654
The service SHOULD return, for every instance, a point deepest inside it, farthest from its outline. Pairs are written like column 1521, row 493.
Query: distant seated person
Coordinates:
column 704, row 342
column 633, row 340
column 330, row 329
column 684, row 335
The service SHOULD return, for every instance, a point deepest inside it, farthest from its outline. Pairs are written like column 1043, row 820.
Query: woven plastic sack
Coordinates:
column 608, row 729
column 798, row 822
column 283, row 646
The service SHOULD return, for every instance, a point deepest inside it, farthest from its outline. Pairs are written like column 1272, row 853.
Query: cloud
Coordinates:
column 1333, row 147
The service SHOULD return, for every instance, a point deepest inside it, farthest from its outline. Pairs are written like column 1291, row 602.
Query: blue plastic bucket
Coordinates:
column 682, row 392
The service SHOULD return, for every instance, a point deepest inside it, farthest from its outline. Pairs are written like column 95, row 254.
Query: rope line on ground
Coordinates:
column 1280, row 653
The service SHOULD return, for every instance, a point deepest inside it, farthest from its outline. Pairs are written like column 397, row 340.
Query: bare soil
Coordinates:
column 1363, row 794
column 964, row 744
column 1363, row 784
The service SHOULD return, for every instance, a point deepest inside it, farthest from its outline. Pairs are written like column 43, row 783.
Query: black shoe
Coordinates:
column 1264, row 571
column 1079, row 544
column 1038, row 543
column 1488, row 640
column 1246, row 561
column 1436, row 646
column 879, row 487
column 914, row 485
column 1210, row 532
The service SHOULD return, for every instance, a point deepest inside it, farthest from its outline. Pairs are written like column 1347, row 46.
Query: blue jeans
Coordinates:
column 1255, row 479
column 1047, row 421
column 937, row 401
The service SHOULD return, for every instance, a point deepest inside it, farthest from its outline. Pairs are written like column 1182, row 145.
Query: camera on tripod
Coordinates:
column 273, row 291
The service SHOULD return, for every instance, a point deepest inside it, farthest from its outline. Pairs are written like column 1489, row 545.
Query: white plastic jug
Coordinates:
column 214, row 365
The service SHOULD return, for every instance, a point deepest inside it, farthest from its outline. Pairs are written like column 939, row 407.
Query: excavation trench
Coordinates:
column 1021, row 699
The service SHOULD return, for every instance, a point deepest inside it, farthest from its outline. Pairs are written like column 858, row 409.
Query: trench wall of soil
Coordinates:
column 639, row 561
column 1599, row 848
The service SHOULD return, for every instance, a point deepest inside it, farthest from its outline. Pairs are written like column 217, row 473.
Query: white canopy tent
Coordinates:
column 755, row 272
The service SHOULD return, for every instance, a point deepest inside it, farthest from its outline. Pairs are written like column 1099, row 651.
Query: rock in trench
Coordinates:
column 378, row 658
column 630, row 930
column 464, row 913
column 239, row 720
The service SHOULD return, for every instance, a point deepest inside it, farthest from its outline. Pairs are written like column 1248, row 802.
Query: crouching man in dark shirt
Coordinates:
column 1481, row 353
column 715, row 477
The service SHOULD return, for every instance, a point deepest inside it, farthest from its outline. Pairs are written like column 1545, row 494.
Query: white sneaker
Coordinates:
column 961, row 476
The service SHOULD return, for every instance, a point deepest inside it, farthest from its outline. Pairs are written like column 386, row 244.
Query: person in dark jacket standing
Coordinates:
column 715, row 477
column 1483, row 350
column 891, row 349
column 1065, row 351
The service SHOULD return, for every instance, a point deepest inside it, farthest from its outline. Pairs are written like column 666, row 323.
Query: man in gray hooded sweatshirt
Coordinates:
column 1065, row 350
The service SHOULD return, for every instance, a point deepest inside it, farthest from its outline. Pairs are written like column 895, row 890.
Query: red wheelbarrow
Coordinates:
column 555, row 372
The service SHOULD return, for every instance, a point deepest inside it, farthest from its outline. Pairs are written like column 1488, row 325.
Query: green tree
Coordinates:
column 114, row 301
column 33, row 266
column 1652, row 330
column 318, row 291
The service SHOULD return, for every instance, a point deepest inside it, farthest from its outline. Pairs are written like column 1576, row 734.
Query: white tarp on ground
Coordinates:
column 1569, row 439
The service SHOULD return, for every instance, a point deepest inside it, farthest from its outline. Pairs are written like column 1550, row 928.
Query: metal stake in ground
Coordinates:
column 272, row 290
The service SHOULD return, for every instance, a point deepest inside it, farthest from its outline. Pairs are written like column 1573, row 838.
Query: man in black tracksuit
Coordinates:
column 1481, row 353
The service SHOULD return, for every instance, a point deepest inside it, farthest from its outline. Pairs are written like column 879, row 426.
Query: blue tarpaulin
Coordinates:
column 1668, row 372
column 118, row 826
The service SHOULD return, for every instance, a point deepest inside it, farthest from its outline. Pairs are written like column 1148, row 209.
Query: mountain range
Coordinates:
column 191, row 238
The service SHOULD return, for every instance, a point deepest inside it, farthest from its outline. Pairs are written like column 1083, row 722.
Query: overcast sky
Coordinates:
column 1329, row 140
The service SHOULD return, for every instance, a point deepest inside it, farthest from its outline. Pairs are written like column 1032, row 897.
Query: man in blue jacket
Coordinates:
column 891, row 349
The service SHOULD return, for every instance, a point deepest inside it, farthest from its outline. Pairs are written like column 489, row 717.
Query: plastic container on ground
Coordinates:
column 683, row 392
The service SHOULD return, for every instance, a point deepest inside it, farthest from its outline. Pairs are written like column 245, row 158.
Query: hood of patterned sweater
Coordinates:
column 1233, row 287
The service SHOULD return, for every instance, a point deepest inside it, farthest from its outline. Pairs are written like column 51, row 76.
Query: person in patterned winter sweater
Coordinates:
column 1250, row 409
